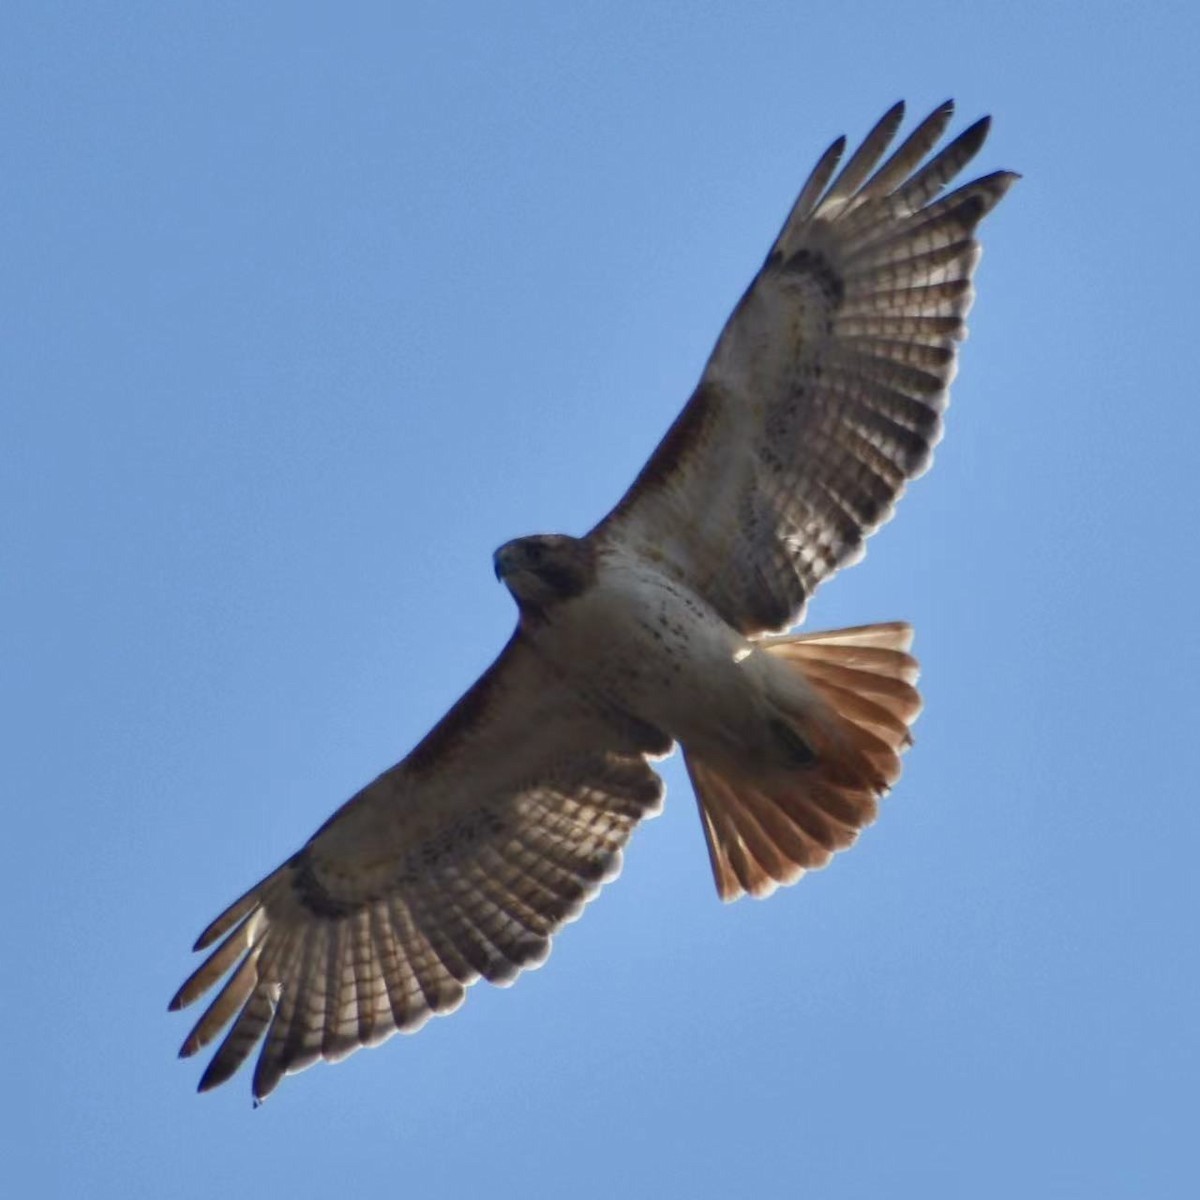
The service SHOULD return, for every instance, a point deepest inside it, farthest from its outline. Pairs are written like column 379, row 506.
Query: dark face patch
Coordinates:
column 545, row 569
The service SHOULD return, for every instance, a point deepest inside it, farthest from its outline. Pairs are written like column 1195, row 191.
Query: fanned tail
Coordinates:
column 767, row 829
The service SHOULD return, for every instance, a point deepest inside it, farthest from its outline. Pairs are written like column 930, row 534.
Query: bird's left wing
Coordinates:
column 458, row 863
column 824, row 394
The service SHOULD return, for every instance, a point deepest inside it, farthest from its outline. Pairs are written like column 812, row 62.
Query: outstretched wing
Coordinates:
column 824, row 393
column 458, row 863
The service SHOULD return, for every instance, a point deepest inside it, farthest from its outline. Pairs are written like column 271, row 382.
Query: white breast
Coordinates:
column 640, row 641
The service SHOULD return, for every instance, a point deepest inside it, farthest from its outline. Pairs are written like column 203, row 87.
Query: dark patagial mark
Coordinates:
column 462, row 719
column 686, row 430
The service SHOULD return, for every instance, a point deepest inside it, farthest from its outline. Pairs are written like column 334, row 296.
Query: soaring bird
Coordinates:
column 663, row 625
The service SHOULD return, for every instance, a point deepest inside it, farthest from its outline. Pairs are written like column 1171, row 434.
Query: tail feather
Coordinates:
column 733, row 866
column 754, row 844
column 765, row 829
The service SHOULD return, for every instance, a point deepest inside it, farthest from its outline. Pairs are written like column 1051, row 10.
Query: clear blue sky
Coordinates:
column 306, row 310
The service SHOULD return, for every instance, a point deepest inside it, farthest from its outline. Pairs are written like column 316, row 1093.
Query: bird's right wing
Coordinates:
column 458, row 863
column 825, row 391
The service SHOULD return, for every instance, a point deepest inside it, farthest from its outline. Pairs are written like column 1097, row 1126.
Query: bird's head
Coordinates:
column 545, row 569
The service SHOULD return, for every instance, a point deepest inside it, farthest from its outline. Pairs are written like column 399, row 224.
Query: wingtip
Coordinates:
column 211, row 932
column 977, row 131
column 261, row 1088
column 211, row 1078
column 998, row 183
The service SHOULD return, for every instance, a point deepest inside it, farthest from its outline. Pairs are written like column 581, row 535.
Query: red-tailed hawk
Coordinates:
column 822, row 398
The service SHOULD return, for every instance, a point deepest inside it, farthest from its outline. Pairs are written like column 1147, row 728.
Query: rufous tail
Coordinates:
column 767, row 828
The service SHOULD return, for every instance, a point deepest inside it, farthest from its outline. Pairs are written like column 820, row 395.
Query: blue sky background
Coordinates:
column 306, row 310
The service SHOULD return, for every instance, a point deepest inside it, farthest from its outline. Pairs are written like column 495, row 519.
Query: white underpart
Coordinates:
column 642, row 642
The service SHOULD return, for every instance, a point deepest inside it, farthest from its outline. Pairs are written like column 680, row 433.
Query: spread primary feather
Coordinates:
column 823, row 397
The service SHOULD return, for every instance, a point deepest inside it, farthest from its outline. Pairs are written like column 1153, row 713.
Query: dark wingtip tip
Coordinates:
column 214, row 1075
column 979, row 129
column 1001, row 181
